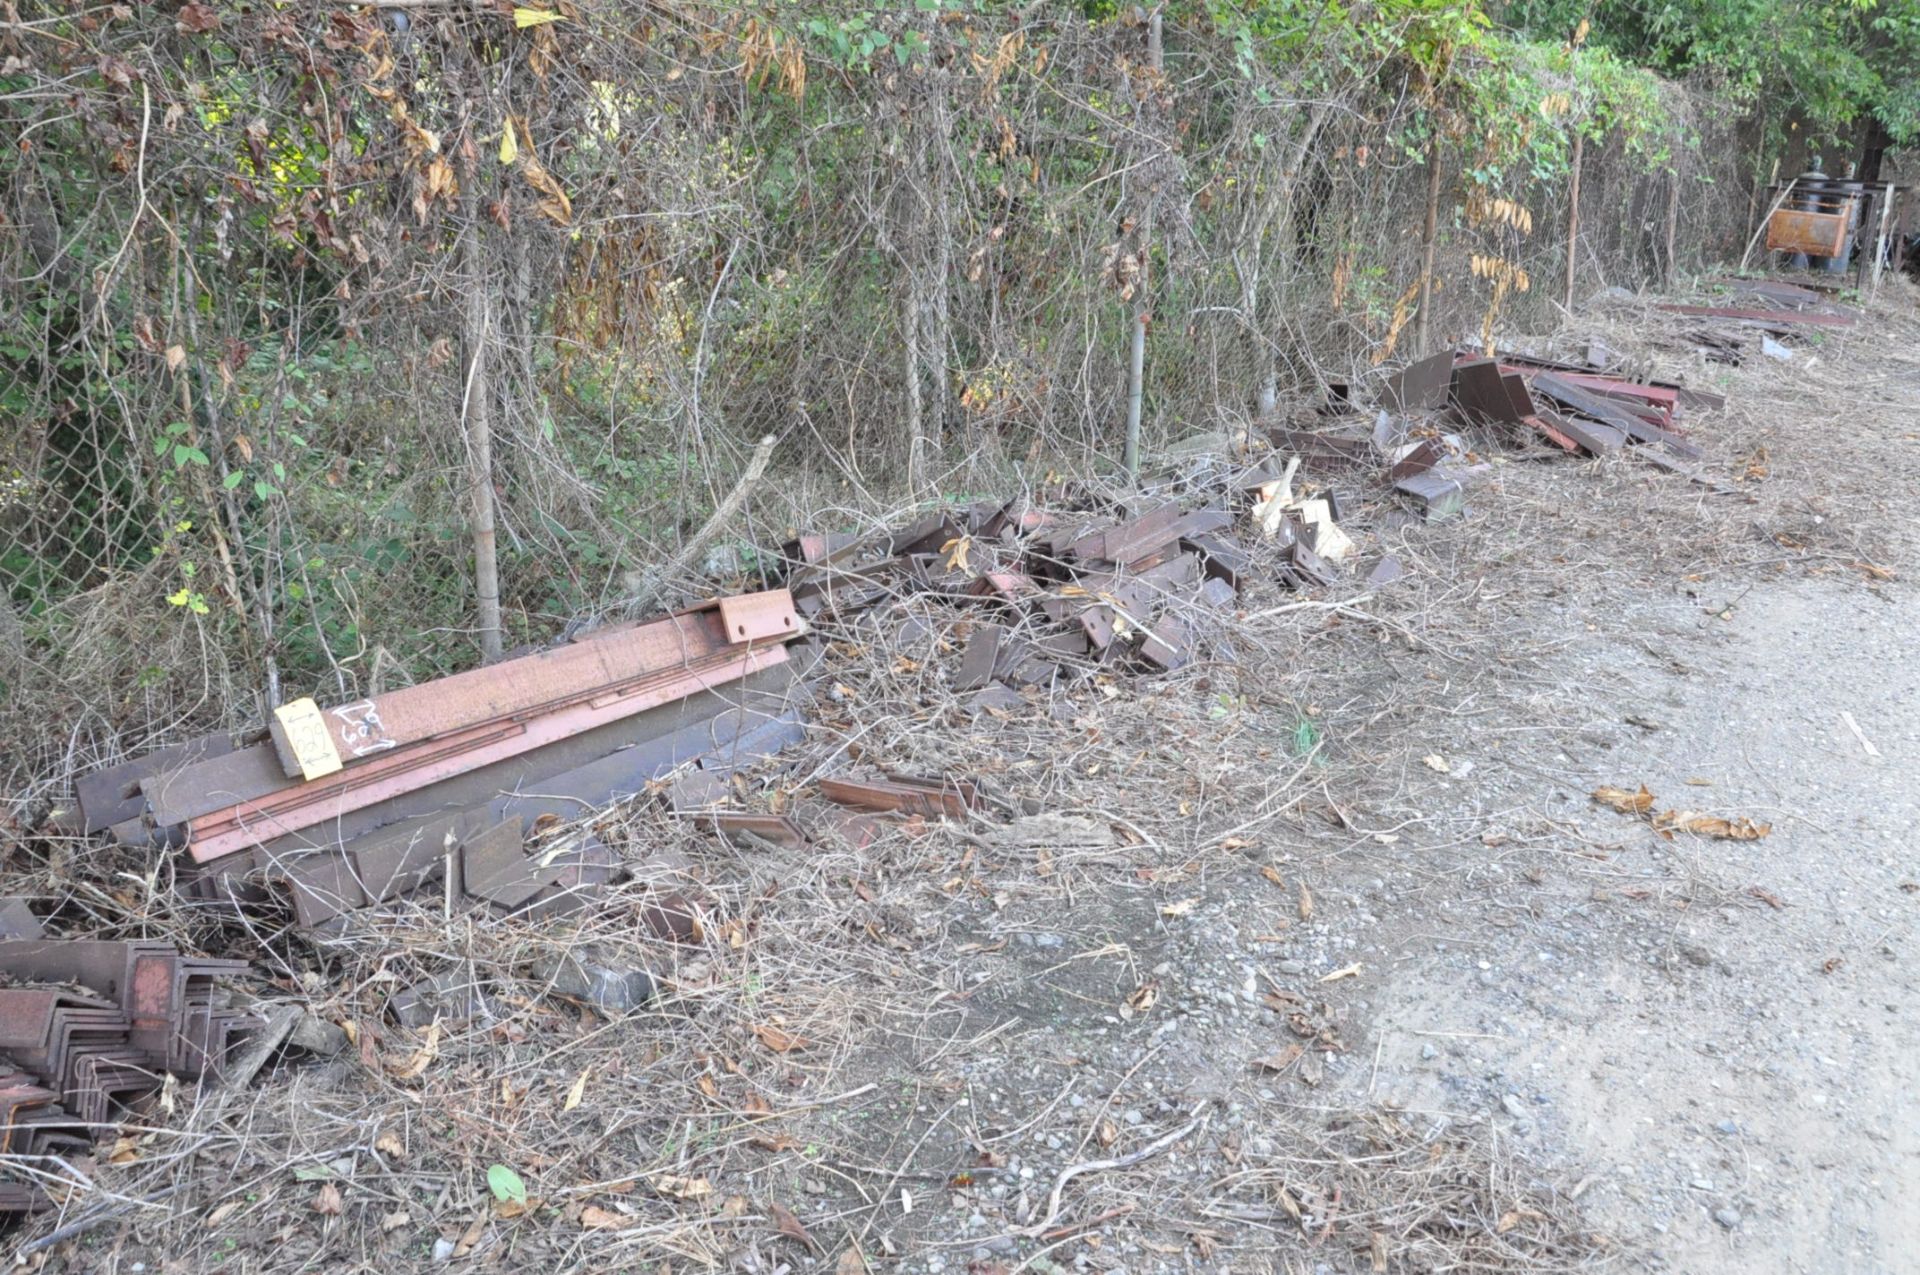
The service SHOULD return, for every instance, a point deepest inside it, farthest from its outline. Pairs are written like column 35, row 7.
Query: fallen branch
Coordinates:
column 651, row 588
column 1073, row 1171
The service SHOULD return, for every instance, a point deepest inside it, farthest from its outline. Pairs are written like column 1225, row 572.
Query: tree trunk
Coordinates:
column 1429, row 241
column 1573, row 215
column 476, row 420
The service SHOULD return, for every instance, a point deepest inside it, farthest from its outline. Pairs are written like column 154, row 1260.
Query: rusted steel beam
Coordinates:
column 543, row 681
column 1785, row 318
column 224, row 831
column 952, row 798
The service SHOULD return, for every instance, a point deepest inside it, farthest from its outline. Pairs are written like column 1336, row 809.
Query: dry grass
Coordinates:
column 840, row 1039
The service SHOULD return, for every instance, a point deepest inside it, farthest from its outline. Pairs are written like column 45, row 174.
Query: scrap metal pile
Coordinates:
column 88, row 1029
column 487, row 789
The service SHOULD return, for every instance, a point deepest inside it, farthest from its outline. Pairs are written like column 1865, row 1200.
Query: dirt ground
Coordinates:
column 1317, row 956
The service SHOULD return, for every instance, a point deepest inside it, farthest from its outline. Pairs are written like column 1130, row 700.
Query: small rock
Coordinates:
column 1133, row 1117
column 1727, row 1127
column 1727, row 1217
column 1293, row 967
column 1702, row 1184
column 1515, row 1108
column 1429, row 1053
column 443, row 1250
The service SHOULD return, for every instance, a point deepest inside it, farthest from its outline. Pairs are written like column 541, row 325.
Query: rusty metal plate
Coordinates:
column 1816, row 234
column 759, row 617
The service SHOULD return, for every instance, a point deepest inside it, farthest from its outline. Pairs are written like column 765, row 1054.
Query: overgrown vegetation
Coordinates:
column 318, row 317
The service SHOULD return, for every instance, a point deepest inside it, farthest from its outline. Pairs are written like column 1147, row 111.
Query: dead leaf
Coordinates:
column 1741, row 829
column 1143, row 997
column 1306, row 903
column 789, row 1226
column 391, row 1222
column 470, row 1237
column 1831, row 964
column 680, row 1188
column 125, row 1151
column 422, row 1057
column 176, row 358
column 1272, row 874
column 328, row 1202
column 1345, row 971
column 1435, row 761
column 851, row 1262
column 224, row 1212
column 1235, row 843
column 956, row 551
column 707, row 1087
column 779, row 1041
column 1179, row 909
column 1281, row 1058
column 575, row 1094
column 388, row 1144
column 595, row 1218
column 1767, row 897
column 758, row 1106
column 1627, row 803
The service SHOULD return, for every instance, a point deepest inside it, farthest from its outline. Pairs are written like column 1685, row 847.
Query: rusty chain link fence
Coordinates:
column 234, row 381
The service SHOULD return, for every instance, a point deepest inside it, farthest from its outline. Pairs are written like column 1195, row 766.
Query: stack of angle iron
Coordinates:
column 90, row 1028
column 1567, row 407
column 470, row 787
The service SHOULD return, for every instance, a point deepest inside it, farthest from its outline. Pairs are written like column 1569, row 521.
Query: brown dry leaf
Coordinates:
column 422, row 1057
column 1143, row 997
column 779, row 1041
column 1627, row 803
column 707, row 1087
column 176, row 357
column 680, row 1188
column 758, row 1106
column 956, row 551
column 1235, row 843
column 789, row 1226
column 1272, row 874
column 1306, row 903
column 125, row 1151
column 1345, row 971
column 328, row 1202
column 851, row 1262
column 1106, row 1133
column 388, row 1144
column 595, row 1218
column 390, row 1222
column 1377, row 1250
column 1435, row 761
column 1741, row 829
column 470, row 1237
column 1288, row 1203
column 1281, row 1058
column 224, row 1212
column 1179, row 909
column 1767, row 897
column 579, row 1091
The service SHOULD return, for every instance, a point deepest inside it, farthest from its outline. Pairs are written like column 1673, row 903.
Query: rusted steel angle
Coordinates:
column 546, row 680
column 1486, row 395
column 223, row 832
column 1550, row 385
column 1419, row 386
column 738, row 826
column 934, row 798
column 1762, row 317
column 759, row 617
column 110, row 796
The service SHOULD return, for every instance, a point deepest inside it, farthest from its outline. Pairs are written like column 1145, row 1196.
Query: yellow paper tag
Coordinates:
column 308, row 738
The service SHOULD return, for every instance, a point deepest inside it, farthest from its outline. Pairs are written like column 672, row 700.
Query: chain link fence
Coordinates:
column 234, row 466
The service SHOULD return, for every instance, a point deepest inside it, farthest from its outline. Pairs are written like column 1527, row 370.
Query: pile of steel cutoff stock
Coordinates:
column 497, row 790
